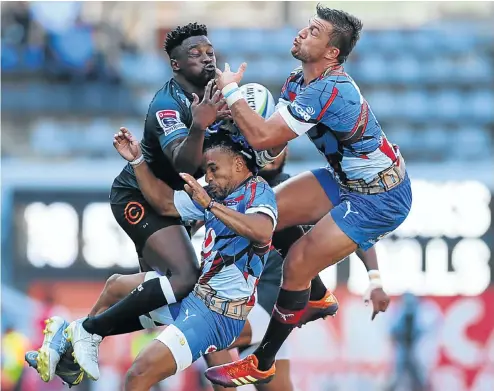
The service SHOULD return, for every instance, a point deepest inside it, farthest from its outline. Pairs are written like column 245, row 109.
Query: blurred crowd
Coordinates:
column 50, row 40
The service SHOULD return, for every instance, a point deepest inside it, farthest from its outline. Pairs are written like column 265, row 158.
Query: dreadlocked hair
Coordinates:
column 175, row 37
column 235, row 144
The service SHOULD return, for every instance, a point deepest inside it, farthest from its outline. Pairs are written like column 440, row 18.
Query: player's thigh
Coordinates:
column 281, row 381
column 196, row 328
column 152, row 365
column 301, row 200
column 169, row 250
column 162, row 243
column 324, row 245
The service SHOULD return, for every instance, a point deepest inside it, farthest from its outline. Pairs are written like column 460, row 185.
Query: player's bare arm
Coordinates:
column 261, row 134
column 156, row 192
column 257, row 227
column 186, row 153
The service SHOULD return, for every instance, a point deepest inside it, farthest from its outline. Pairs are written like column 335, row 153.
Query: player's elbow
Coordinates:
column 263, row 234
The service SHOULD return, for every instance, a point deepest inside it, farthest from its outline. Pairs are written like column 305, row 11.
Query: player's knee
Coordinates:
column 135, row 376
column 111, row 286
column 295, row 266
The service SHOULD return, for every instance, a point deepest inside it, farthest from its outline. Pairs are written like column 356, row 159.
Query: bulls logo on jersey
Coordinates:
column 211, row 349
column 208, row 244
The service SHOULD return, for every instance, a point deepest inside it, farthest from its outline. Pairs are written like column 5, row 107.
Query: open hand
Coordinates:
column 195, row 190
column 223, row 78
column 204, row 113
column 126, row 145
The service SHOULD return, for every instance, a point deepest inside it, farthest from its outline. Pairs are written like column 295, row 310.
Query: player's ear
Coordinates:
column 332, row 53
column 174, row 64
column 239, row 164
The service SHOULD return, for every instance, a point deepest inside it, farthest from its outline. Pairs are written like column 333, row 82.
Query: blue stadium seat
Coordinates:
column 33, row 57
column 389, row 42
column 421, row 42
column 46, row 138
column 10, row 57
column 437, row 70
column 279, row 41
column 435, row 139
column 474, row 68
column 402, row 135
column 412, row 105
column 250, row 41
column 404, row 69
column 223, row 41
column 372, row 69
column 472, row 143
column 146, row 68
column 446, row 105
column 382, row 102
column 478, row 106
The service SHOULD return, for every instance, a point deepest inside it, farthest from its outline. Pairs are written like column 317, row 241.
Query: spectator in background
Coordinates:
column 406, row 332
column 14, row 344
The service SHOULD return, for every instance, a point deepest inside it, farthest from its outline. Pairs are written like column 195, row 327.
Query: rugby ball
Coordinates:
column 258, row 98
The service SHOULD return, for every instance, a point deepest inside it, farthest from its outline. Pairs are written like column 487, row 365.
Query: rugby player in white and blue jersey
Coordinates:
column 240, row 214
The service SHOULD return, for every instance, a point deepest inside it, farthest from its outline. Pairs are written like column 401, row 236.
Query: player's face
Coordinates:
column 221, row 172
column 312, row 42
column 197, row 60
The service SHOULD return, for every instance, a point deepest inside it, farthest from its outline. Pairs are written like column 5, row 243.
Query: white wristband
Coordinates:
column 374, row 283
column 137, row 161
column 374, row 275
column 231, row 93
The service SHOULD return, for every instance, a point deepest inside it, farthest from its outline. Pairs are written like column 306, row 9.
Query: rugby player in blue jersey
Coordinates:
column 240, row 214
column 361, row 196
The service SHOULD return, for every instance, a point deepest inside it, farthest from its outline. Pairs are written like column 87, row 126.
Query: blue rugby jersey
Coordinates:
column 340, row 123
column 231, row 264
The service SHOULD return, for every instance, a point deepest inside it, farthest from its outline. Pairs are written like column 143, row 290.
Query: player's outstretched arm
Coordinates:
column 257, row 227
column 155, row 191
column 260, row 133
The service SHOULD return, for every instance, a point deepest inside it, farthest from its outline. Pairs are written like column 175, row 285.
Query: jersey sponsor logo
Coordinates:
column 305, row 113
column 209, row 241
column 169, row 120
column 134, row 212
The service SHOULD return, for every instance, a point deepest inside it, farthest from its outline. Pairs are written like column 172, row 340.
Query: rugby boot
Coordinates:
column 240, row 373
column 327, row 306
column 70, row 372
column 86, row 347
column 55, row 344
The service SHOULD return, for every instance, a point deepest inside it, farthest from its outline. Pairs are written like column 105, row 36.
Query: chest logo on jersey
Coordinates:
column 169, row 121
column 305, row 113
column 233, row 202
column 209, row 241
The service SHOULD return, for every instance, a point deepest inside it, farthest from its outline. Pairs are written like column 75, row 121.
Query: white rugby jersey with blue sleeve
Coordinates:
column 231, row 264
column 340, row 123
